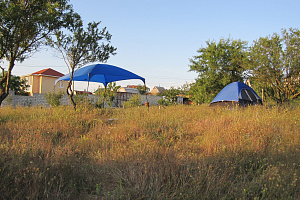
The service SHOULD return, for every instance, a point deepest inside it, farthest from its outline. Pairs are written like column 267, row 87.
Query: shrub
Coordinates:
column 108, row 95
column 134, row 101
column 53, row 99
column 163, row 102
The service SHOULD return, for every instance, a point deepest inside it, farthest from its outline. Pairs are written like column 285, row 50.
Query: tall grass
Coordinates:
column 177, row 152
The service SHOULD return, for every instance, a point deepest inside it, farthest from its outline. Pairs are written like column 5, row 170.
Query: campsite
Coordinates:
column 176, row 152
column 149, row 100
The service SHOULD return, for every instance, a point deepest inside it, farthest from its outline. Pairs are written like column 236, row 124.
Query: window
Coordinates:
column 61, row 84
column 29, row 80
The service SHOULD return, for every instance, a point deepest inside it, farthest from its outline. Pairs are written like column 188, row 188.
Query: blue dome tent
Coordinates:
column 236, row 93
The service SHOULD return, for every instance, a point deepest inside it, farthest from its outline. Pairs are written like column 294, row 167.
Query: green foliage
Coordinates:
column 143, row 89
column 23, row 27
column 79, row 46
column 53, row 99
column 108, row 94
column 18, row 85
column 163, row 102
column 25, row 24
column 83, row 45
column 134, row 101
column 204, row 90
column 218, row 64
column 274, row 65
column 83, row 101
column 171, row 95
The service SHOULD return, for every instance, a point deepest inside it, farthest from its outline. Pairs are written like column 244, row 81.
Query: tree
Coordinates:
column 109, row 93
column 171, row 94
column 275, row 65
column 218, row 65
column 79, row 47
column 204, row 90
column 17, row 84
column 143, row 89
column 24, row 24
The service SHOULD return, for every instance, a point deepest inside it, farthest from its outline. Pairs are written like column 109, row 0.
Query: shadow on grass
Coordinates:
column 244, row 175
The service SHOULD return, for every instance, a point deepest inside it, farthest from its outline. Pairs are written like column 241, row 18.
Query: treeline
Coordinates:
column 271, row 63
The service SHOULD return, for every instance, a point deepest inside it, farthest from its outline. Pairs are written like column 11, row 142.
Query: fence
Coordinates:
column 40, row 100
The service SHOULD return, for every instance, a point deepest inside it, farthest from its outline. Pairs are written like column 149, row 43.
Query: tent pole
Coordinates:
column 147, row 102
column 87, row 89
column 104, row 95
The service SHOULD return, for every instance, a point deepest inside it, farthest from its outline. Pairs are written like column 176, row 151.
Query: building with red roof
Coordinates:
column 43, row 81
column 49, row 72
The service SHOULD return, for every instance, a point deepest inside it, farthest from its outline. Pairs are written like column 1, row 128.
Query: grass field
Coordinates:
column 176, row 152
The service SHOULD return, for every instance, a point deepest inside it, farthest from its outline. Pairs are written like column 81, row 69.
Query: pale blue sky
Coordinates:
column 156, row 38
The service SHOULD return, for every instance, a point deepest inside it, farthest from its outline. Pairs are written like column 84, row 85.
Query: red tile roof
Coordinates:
column 48, row 72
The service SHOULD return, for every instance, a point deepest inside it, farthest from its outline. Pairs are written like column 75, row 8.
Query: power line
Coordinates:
column 164, row 77
column 40, row 66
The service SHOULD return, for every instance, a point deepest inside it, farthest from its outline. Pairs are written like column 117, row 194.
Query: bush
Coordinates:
column 108, row 95
column 134, row 101
column 53, row 99
column 163, row 102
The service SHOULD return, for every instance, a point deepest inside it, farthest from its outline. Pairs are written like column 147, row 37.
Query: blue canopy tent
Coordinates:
column 236, row 93
column 101, row 73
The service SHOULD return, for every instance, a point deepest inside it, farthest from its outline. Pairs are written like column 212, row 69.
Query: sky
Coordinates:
column 156, row 39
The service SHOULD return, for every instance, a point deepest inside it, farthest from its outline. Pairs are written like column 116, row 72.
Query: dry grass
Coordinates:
column 179, row 152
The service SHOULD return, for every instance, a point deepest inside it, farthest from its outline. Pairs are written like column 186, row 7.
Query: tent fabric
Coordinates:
column 101, row 73
column 238, row 92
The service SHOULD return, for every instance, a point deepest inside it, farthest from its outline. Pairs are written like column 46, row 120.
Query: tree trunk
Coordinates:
column 5, row 82
column 70, row 93
column 3, row 94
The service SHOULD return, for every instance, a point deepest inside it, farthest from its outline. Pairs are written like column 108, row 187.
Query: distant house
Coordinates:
column 124, row 94
column 132, row 86
column 128, row 90
column 156, row 90
column 43, row 81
